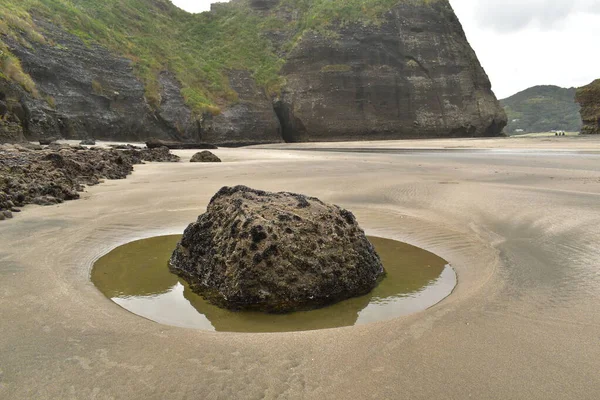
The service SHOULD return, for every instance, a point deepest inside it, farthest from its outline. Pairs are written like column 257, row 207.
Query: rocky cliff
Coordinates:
column 589, row 99
column 12, row 113
column 412, row 75
column 251, row 71
column 87, row 91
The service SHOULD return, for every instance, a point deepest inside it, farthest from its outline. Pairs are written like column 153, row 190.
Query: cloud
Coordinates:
column 514, row 15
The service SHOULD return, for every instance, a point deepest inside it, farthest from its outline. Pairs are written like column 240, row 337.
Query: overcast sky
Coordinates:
column 522, row 43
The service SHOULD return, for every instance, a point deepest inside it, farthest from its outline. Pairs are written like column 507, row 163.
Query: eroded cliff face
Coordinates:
column 85, row 91
column 413, row 76
column 12, row 113
column 250, row 120
column 589, row 99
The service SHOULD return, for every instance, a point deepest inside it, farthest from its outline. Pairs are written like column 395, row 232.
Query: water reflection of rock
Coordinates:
column 139, row 270
column 344, row 313
column 409, row 269
column 136, row 269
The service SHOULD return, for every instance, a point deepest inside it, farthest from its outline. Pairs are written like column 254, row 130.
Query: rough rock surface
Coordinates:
column 59, row 173
column 11, row 113
column 275, row 252
column 252, row 120
column 173, row 112
column 93, row 93
column 414, row 75
column 589, row 99
column 155, row 143
column 204, row 156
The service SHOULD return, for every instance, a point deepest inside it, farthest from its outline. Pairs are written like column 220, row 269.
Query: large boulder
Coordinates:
column 205, row 156
column 275, row 252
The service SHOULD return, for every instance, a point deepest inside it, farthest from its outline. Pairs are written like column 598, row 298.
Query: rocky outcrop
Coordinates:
column 173, row 111
column 88, row 142
column 412, row 76
column 251, row 120
column 12, row 113
column 156, row 143
column 275, row 252
column 204, row 156
column 408, row 73
column 589, row 99
column 59, row 172
column 87, row 91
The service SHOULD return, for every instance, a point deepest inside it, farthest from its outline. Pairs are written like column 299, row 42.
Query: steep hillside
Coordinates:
column 589, row 99
column 542, row 109
column 249, row 71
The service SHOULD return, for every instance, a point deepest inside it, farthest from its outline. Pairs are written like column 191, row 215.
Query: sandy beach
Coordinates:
column 518, row 219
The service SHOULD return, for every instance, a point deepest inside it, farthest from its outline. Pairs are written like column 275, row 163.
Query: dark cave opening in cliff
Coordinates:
column 292, row 128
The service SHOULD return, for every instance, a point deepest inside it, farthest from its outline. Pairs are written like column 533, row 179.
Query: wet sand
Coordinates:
column 521, row 228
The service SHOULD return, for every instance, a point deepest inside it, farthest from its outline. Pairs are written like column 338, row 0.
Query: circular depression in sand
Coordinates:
column 136, row 277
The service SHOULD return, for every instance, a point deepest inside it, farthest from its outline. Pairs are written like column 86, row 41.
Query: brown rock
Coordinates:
column 275, row 252
column 205, row 156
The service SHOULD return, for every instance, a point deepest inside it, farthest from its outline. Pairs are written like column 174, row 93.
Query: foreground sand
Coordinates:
column 521, row 228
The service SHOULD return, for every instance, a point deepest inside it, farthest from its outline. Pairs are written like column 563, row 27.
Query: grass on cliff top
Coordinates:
column 156, row 35
column 199, row 48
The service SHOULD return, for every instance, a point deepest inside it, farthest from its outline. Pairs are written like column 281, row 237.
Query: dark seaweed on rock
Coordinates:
column 275, row 252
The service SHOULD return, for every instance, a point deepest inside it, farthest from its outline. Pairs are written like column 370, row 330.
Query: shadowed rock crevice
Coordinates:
column 292, row 128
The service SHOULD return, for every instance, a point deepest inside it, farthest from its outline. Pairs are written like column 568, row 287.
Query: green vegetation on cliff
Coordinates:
column 199, row 48
column 542, row 109
column 156, row 36
column 589, row 99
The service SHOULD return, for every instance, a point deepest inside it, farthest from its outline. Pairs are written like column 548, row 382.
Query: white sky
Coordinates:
column 522, row 43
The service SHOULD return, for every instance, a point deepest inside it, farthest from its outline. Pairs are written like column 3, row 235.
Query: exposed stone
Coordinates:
column 11, row 129
column 155, row 143
column 205, row 156
column 173, row 112
column 59, row 173
column 94, row 92
column 409, row 74
column 412, row 76
column 275, row 252
column 46, row 141
column 589, row 99
column 31, row 146
column 251, row 120
column 160, row 154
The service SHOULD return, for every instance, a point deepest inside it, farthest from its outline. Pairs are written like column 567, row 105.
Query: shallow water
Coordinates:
column 136, row 277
